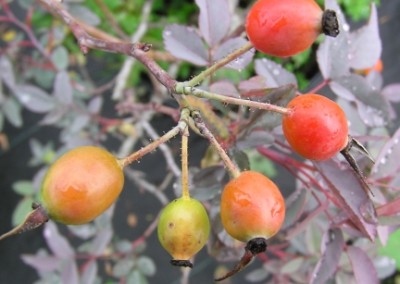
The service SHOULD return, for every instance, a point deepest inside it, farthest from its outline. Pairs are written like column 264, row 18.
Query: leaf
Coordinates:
column 256, row 138
column 23, row 187
column 83, row 231
column 101, row 241
column 265, row 119
column 55, row 115
column 292, row 266
column 214, row 20
column 225, row 88
column 184, row 43
column 62, row 88
column 257, row 275
column 12, row 111
column 387, row 161
column 240, row 158
column 7, row 72
column 41, row 262
column 136, row 277
column 34, row 99
column 392, row 92
column 385, row 266
column 351, row 196
column 231, row 45
column 253, row 87
column 123, row 267
column 89, row 273
column 84, row 14
column 207, row 182
column 79, row 122
column 332, row 246
column 146, row 265
column 69, row 272
column 366, row 46
column 372, row 107
column 24, row 206
column 332, row 56
column 59, row 57
column 363, row 268
column 274, row 73
column 56, row 242
column 295, row 204
column 95, row 105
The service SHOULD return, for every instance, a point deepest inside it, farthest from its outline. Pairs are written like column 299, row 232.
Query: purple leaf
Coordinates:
column 206, row 183
column 387, row 162
column 331, row 247
column 332, row 56
column 7, row 72
column 54, row 115
column 100, row 242
column 363, row 268
column 253, row 87
column 231, row 45
column 392, row 92
column 56, row 242
column 225, row 88
column 274, row 73
column 42, row 263
column 214, row 20
column 34, row 99
column 184, row 43
column 295, row 204
column 89, row 273
column 95, row 105
column 79, row 122
column 12, row 111
column 366, row 46
column 372, row 107
column 69, row 272
column 350, row 195
column 63, row 88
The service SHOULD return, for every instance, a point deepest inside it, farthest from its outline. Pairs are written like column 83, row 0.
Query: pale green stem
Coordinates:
column 217, row 65
column 230, row 165
column 182, row 124
column 185, row 164
column 235, row 101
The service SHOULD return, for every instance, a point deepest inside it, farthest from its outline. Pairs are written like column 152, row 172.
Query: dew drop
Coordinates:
column 383, row 161
column 346, row 27
column 167, row 33
column 396, row 141
column 275, row 72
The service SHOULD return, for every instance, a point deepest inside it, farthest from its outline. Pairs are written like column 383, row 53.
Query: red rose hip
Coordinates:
column 315, row 127
column 284, row 27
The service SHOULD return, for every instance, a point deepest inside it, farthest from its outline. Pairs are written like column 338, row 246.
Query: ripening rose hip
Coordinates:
column 252, row 207
column 285, row 27
column 252, row 211
column 316, row 127
column 183, row 229
column 81, row 185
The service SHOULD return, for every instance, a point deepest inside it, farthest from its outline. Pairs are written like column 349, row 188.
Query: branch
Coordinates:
column 86, row 42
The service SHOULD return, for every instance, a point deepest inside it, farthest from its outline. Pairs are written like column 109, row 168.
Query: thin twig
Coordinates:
column 230, row 165
column 169, row 157
column 137, row 178
column 123, row 75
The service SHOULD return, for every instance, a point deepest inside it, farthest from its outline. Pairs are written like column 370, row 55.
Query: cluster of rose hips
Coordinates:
column 87, row 180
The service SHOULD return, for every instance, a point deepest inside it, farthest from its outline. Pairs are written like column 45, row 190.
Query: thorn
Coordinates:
column 353, row 163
